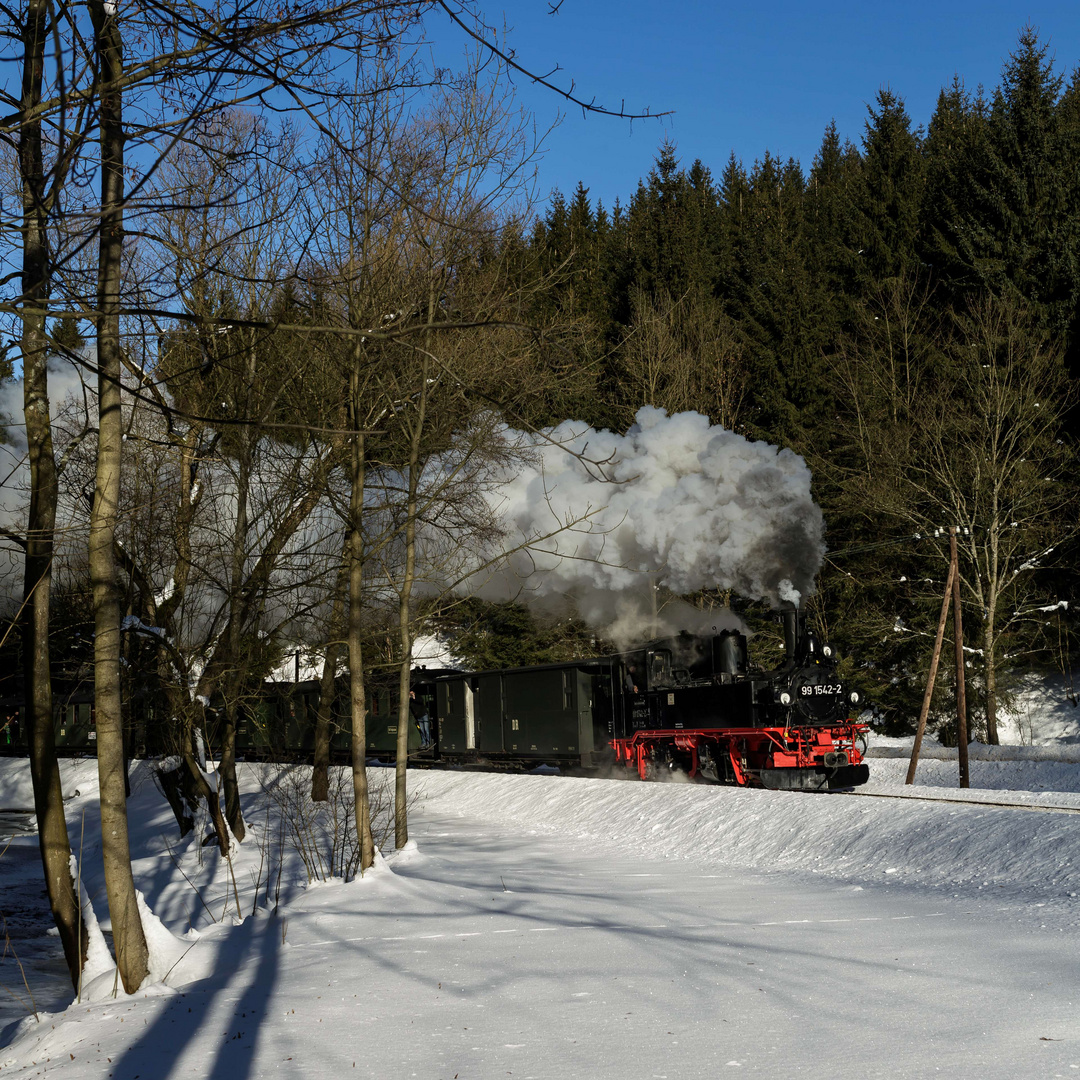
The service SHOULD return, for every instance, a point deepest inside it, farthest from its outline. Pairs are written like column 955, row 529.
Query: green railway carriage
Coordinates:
column 75, row 723
column 549, row 714
column 383, row 713
column 382, row 725
column 74, row 727
column 280, row 724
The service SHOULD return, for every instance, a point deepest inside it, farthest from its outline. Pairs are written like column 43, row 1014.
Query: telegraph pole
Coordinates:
column 961, row 691
column 924, row 712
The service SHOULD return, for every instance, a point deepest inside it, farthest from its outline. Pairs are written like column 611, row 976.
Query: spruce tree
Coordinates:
column 1069, row 136
column 1014, row 227
column 956, row 149
column 669, row 223
column 830, row 195
column 765, row 284
column 890, row 197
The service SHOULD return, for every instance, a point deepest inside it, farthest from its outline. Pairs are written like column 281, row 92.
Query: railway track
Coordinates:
column 995, row 803
column 1040, row 809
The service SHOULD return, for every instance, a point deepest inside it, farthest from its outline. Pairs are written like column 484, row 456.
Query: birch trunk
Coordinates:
column 401, row 815
column 41, row 519
column 320, row 778
column 357, row 694
column 129, row 941
column 991, row 679
column 236, row 671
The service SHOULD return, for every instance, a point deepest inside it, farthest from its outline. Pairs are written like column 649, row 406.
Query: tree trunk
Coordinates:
column 41, row 519
column 176, row 787
column 227, row 769
column 961, row 682
column 213, row 803
column 235, row 677
column 320, row 773
column 201, row 787
column 357, row 696
column 993, row 596
column 129, row 941
column 401, row 815
column 991, row 680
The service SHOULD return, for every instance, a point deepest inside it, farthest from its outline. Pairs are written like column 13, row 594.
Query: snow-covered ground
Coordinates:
column 545, row 926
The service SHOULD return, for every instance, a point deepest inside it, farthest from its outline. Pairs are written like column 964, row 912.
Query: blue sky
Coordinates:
column 752, row 77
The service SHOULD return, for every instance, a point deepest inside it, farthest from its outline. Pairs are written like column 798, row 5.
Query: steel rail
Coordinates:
column 965, row 802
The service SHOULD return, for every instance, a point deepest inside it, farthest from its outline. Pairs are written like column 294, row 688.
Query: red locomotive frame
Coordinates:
column 749, row 752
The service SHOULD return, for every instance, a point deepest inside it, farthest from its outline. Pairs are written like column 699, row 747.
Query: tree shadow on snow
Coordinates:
column 232, row 1025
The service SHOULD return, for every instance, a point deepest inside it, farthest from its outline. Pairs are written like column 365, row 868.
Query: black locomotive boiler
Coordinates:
column 687, row 703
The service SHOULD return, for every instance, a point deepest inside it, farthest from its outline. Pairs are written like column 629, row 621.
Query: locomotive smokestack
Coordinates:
column 794, row 621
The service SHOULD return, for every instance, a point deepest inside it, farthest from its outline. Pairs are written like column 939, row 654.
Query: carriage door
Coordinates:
column 658, row 662
column 488, row 713
column 470, row 715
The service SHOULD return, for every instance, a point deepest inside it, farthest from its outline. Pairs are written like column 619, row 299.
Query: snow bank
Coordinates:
column 841, row 836
column 1021, row 782
column 77, row 776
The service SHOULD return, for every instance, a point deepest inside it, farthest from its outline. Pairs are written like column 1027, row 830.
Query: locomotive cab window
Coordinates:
column 634, row 674
column 660, row 669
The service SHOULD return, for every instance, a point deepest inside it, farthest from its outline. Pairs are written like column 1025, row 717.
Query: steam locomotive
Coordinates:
column 688, row 704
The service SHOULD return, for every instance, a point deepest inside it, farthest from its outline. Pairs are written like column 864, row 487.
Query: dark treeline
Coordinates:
column 905, row 315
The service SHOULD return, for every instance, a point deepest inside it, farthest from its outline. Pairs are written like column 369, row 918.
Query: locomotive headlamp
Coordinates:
column 853, row 697
column 827, row 650
column 785, row 698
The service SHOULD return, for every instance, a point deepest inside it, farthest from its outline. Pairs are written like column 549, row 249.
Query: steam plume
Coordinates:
column 675, row 502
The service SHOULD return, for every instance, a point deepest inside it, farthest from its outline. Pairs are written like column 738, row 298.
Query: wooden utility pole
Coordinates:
column 933, row 674
column 961, row 691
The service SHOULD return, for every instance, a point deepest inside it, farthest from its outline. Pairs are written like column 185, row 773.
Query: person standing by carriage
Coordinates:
column 420, row 716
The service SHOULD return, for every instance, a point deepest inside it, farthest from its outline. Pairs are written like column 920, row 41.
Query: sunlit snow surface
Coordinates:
column 545, row 926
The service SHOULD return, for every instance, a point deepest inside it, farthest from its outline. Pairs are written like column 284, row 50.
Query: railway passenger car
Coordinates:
column 556, row 714
column 74, row 723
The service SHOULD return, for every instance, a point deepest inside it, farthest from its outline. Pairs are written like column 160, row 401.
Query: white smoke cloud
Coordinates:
column 69, row 398
column 675, row 502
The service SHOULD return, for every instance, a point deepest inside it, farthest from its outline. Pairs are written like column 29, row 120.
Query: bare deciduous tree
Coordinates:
column 960, row 425
column 683, row 355
column 990, row 459
column 129, row 941
column 41, row 515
